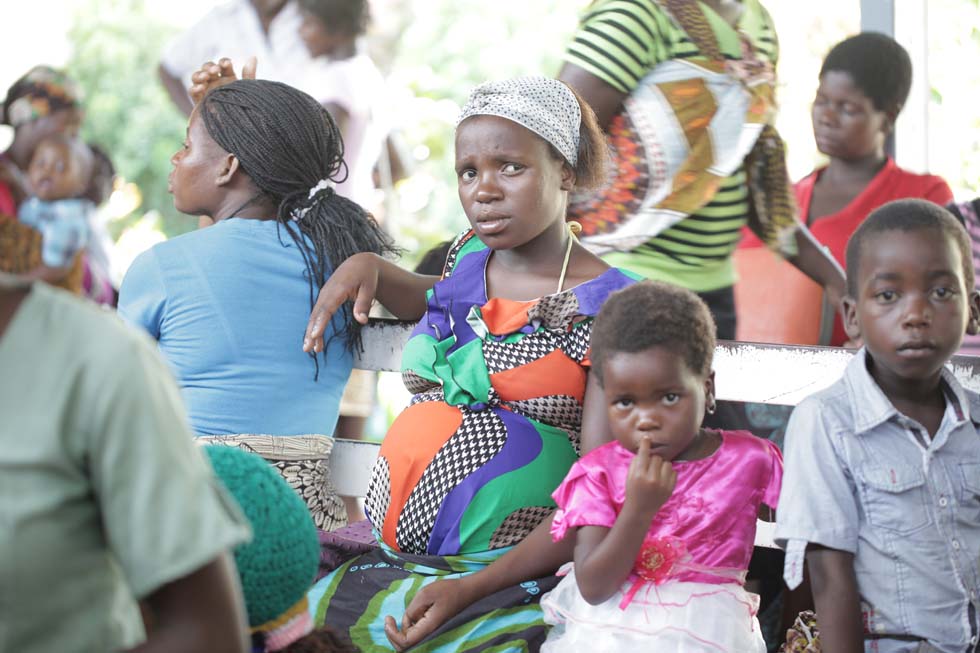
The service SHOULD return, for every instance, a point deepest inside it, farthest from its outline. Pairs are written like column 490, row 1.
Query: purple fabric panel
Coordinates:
column 592, row 295
column 522, row 446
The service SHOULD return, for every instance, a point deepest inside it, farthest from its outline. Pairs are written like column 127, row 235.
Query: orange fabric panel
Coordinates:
column 553, row 374
column 412, row 442
column 504, row 316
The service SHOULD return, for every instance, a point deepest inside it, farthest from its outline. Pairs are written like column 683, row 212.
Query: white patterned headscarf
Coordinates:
column 545, row 106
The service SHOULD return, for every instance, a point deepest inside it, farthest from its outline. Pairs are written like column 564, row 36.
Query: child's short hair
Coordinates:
column 654, row 314
column 879, row 66
column 907, row 215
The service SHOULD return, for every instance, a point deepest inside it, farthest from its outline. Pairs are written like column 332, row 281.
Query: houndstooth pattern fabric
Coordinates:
column 379, row 492
column 555, row 311
column 417, row 384
column 576, row 343
column 501, row 357
column 562, row 411
column 431, row 395
column 517, row 525
column 479, row 438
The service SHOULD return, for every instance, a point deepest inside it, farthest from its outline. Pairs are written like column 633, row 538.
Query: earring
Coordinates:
column 711, row 408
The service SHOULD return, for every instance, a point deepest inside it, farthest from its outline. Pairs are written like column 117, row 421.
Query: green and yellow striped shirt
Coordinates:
column 619, row 41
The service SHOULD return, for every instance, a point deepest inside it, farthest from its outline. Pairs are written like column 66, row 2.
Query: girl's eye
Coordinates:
column 944, row 293
column 511, row 168
column 670, row 398
column 886, row 296
column 467, row 175
column 623, row 402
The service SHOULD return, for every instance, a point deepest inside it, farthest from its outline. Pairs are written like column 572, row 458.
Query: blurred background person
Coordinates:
column 685, row 91
column 237, row 29
column 43, row 102
column 863, row 85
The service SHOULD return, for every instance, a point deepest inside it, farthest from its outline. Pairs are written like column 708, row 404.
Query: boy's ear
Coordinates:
column 851, row 326
column 226, row 172
column 973, row 304
column 567, row 177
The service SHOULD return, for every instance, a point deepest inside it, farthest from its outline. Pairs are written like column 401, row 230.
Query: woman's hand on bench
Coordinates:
column 360, row 279
column 356, row 279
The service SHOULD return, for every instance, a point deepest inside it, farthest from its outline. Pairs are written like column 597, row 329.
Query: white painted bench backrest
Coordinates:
column 750, row 372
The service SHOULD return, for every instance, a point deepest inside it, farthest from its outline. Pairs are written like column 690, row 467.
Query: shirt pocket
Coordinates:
column 968, row 492
column 894, row 498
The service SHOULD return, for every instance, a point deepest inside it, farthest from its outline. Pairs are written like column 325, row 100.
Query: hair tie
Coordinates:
column 323, row 184
column 324, row 187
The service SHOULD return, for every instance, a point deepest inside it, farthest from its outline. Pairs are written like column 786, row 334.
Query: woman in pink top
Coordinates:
column 864, row 82
column 664, row 516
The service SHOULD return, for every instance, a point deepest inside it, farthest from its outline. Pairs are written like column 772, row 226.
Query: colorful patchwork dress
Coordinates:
column 467, row 470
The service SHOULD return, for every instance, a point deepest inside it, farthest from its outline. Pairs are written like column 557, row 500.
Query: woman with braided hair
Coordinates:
column 229, row 304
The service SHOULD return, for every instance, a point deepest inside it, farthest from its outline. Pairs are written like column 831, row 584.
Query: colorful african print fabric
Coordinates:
column 694, row 153
column 360, row 593
column 467, row 470
column 40, row 92
column 494, row 424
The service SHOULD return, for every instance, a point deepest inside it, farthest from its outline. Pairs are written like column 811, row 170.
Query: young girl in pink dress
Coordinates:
column 664, row 516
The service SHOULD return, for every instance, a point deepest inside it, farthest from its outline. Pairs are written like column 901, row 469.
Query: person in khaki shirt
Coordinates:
column 104, row 499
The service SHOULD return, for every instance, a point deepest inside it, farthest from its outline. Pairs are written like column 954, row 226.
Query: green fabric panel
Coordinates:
column 419, row 356
column 464, row 373
column 498, row 497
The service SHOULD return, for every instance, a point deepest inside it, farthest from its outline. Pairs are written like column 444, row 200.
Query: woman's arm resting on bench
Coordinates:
column 363, row 278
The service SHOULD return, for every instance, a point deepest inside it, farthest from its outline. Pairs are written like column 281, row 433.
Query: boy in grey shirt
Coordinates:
column 882, row 486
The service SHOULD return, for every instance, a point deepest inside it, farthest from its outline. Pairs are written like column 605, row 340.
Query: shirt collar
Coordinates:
column 871, row 408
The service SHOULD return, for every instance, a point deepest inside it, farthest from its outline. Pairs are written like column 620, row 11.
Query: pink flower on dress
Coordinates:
column 657, row 558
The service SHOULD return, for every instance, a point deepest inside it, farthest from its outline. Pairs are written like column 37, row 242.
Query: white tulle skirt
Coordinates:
column 675, row 617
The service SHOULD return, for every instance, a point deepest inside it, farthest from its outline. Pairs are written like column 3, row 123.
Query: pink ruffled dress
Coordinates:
column 685, row 592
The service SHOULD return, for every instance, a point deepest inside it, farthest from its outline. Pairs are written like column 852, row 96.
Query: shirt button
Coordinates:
column 942, row 502
column 956, row 544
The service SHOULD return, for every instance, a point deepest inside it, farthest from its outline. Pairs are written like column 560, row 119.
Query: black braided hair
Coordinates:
column 287, row 144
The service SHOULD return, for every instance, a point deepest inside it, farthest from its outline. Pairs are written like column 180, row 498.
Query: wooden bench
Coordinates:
column 747, row 372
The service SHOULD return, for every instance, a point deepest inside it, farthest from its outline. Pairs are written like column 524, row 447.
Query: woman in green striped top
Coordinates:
column 685, row 92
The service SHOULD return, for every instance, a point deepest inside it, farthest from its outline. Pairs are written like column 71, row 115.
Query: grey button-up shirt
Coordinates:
column 862, row 477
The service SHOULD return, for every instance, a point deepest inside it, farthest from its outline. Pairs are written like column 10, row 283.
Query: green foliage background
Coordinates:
column 115, row 49
column 435, row 51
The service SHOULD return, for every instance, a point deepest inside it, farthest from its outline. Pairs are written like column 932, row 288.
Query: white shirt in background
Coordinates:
column 233, row 30
column 356, row 85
